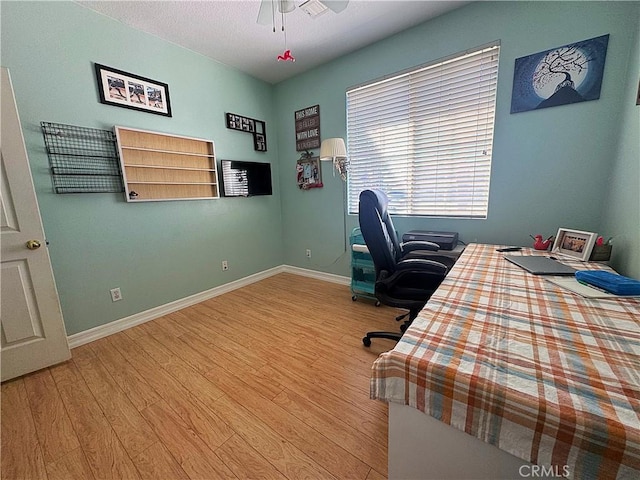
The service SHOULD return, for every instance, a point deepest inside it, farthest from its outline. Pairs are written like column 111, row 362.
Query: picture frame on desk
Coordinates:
column 574, row 243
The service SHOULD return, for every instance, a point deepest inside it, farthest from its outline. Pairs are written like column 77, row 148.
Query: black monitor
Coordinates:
column 245, row 179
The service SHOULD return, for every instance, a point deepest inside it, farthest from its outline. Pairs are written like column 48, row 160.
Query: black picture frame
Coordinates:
column 257, row 128
column 128, row 90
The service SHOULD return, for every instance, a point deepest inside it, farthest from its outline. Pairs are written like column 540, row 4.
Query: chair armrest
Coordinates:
column 416, row 273
column 419, row 245
column 422, row 264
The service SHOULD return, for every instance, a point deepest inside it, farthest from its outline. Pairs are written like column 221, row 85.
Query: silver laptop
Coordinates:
column 540, row 265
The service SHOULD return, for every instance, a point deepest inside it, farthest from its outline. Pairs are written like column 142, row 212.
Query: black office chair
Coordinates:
column 408, row 273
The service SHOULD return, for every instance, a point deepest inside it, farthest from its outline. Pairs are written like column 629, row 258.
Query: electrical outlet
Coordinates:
column 116, row 294
column 308, row 253
column 225, row 265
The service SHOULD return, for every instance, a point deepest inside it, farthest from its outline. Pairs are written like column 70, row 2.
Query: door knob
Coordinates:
column 33, row 244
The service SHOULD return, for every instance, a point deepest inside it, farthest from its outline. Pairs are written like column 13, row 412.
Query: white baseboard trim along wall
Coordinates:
column 116, row 326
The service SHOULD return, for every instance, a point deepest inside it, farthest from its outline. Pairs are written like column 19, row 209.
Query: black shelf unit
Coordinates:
column 81, row 159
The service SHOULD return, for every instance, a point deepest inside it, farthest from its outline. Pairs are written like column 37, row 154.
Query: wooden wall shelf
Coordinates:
column 159, row 166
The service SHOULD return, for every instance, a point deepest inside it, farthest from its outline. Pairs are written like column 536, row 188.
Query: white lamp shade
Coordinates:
column 333, row 148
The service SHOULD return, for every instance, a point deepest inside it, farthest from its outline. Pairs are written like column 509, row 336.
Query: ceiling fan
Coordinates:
column 313, row 8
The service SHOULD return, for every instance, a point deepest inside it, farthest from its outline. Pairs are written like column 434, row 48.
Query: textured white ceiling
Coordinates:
column 227, row 31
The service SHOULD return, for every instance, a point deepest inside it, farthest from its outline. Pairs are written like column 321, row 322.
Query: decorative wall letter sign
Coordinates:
column 307, row 128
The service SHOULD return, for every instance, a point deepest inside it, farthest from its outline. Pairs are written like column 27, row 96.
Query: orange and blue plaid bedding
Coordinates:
column 516, row 361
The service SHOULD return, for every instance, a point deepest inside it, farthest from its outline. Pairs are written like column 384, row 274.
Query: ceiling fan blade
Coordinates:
column 265, row 15
column 336, row 5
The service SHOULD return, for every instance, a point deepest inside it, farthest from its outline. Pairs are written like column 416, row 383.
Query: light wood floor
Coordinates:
column 268, row 381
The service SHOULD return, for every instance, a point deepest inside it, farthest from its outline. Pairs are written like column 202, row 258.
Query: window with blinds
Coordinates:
column 425, row 136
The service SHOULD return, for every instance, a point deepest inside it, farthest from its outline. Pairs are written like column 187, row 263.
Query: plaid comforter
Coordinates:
column 518, row 362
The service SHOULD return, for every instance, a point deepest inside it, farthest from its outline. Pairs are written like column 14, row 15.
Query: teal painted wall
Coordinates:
column 155, row 252
column 550, row 167
column 571, row 166
column 622, row 216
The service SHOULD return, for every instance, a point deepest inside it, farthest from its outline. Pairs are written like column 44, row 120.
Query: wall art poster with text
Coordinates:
column 568, row 74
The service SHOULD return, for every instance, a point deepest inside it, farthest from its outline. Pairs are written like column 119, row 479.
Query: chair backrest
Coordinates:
column 391, row 230
column 374, row 223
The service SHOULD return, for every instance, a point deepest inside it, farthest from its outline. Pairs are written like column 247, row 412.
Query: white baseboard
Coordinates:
column 116, row 326
column 327, row 277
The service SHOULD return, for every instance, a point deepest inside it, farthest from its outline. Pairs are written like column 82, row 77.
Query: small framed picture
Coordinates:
column 308, row 172
column 128, row 90
column 574, row 243
column 259, row 142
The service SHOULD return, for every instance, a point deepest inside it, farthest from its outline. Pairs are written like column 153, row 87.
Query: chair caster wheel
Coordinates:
column 377, row 303
column 366, row 341
column 354, row 297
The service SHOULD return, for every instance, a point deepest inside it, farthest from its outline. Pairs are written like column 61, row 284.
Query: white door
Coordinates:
column 33, row 334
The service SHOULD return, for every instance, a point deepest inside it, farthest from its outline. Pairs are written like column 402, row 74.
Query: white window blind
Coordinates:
column 425, row 136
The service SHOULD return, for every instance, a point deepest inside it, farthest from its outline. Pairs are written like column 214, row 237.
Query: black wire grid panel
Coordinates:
column 82, row 160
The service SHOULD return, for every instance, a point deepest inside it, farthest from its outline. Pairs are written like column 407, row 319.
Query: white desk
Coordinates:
column 544, row 375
